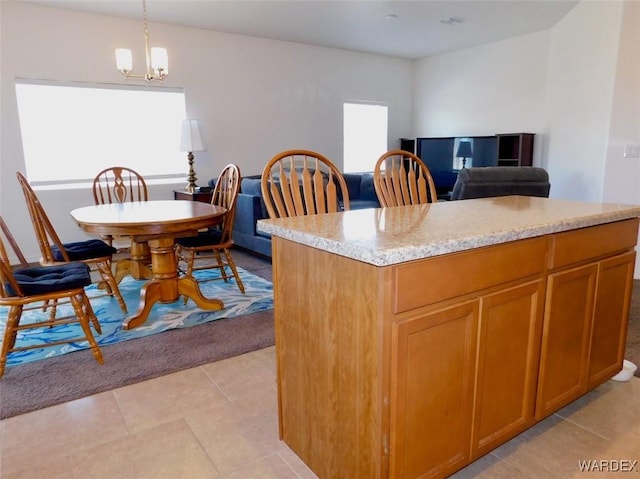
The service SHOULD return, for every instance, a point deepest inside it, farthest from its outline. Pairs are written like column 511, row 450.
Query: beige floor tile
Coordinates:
column 271, row 467
column 262, row 401
column 168, row 451
column 167, row 398
column 554, row 447
column 57, row 468
column 267, row 356
column 490, row 467
column 39, row 437
column 612, row 411
column 234, row 434
column 220, row 433
column 295, row 463
column 242, row 375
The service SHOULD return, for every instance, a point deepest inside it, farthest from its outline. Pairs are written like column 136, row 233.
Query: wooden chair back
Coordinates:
column 302, row 182
column 401, row 178
column 119, row 184
column 225, row 194
column 6, row 271
column 45, row 233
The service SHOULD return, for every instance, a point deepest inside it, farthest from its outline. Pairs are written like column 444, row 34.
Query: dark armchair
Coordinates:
column 489, row 181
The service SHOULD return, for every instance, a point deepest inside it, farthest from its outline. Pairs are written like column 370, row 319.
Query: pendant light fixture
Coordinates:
column 157, row 60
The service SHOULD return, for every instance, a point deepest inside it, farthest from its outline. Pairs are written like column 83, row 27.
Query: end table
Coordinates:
column 203, row 197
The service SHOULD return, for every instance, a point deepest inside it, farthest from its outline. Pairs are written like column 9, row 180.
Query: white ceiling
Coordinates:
column 414, row 31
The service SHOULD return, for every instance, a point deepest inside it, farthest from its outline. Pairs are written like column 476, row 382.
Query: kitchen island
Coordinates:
column 411, row 341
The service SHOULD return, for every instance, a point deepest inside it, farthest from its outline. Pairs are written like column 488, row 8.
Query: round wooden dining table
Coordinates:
column 156, row 223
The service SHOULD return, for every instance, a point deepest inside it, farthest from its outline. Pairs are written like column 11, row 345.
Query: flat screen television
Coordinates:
column 439, row 156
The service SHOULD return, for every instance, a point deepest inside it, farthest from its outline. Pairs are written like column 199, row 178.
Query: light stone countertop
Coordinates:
column 385, row 236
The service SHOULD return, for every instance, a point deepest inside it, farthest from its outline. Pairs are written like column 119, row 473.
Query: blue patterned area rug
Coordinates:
column 163, row 317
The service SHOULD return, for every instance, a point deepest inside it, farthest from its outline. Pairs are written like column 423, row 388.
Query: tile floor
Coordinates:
column 220, row 421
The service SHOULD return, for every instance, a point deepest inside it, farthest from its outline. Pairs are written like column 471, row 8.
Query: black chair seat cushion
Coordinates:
column 206, row 238
column 82, row 250
column 49, row 279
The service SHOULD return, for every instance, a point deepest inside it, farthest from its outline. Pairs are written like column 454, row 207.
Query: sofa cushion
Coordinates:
column 48, row 279
column 362, row 204
column 83, row 250
column 251, row 186
column 367, row 190
column 353, row 185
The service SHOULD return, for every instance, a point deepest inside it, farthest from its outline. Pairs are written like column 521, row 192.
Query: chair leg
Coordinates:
column 80, row 303
column 232, row 265
column 10, row 333
column 221, row 265
column 191, row 259
column 91, row 314
column 108, row 277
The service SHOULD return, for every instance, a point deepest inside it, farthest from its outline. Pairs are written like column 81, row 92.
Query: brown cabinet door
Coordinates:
column 565, row 338
column 433, row 369
column 508, row 355
column 609, row 331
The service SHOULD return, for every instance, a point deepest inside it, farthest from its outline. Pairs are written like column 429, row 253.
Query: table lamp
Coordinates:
column 464, row 152
column 191, row 142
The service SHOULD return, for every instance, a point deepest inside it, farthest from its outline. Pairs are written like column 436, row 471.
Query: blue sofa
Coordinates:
column 250, row 208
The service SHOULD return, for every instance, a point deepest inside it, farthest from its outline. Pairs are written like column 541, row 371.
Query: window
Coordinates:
column 71, row 131
column 365, row 135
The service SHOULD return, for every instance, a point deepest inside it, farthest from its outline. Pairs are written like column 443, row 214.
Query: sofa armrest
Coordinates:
column 248, row 212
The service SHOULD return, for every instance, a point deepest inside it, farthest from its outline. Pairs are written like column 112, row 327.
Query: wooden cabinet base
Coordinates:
column 396, row 372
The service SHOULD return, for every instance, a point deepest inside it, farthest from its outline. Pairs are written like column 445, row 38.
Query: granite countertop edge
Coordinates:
column 369, row 253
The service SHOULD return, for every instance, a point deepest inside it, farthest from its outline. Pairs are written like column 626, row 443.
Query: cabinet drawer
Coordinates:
column 593, row 242
column 428, row 281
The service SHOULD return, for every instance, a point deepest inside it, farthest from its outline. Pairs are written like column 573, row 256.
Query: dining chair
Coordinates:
column 217, row 240
column 119, row 184
column 27, row 287
column 401, row 178
column 94, row 252
column 302, row 182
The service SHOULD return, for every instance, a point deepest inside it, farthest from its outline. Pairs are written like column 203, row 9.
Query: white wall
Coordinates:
column 622, row 175
column 484, row 90
column 254, row 97
column 581, row 77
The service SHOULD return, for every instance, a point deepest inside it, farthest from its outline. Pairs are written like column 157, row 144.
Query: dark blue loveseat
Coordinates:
column 250, row 208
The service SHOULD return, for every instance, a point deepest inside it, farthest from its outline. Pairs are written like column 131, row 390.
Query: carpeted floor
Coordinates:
column 35, row 385
column 633, row 330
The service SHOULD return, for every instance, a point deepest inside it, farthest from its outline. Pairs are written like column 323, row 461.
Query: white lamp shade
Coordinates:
column 191, row 140
column 124, row 59
column 160, row 60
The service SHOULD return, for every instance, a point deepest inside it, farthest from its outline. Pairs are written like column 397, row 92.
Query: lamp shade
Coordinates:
column 160, row 60
column 124, row 59
column 464, row 150
column 191, row 140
